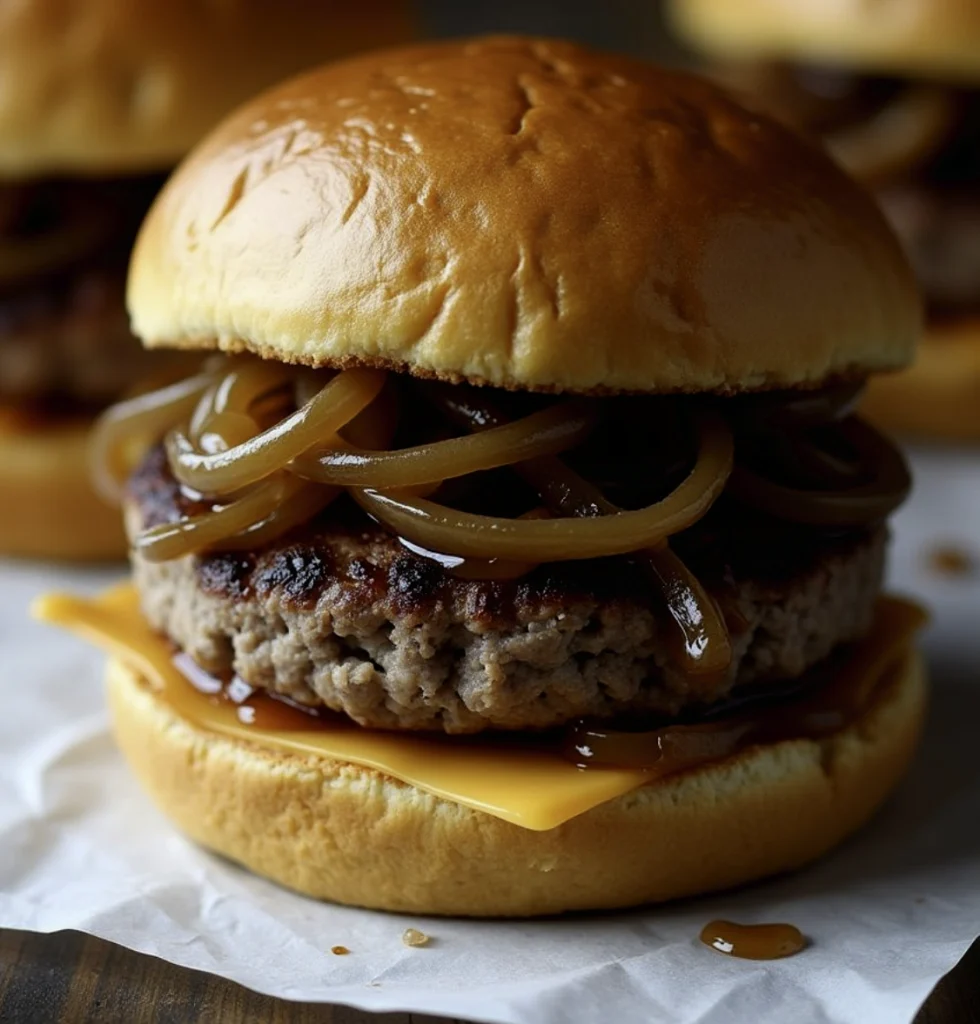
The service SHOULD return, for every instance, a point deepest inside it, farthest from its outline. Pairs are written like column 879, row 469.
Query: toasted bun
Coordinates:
column 939, row 37
column 118, row 85
column 939, row 395
column 47, row 506
column 525, row 213
column 339, row 832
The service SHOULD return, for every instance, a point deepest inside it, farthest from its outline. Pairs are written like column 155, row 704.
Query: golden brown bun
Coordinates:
column 939, row 395
column 48, row 508
column 118, row 85
column 930, row 37
column 526, row 213
column 339, row 832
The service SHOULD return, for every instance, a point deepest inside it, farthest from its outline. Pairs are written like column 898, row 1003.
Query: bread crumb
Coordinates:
column 339, row 950
column 413, row 937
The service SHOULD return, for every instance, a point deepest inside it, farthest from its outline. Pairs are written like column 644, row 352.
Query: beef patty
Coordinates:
column 71, row 340
column 340, row 614
column 64, row 246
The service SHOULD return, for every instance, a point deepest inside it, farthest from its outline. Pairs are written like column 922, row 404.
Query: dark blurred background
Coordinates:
column 634, row 26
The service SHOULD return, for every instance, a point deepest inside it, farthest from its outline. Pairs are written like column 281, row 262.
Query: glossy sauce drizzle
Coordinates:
column 835, row 694
column 252, row 707
column 753, row 941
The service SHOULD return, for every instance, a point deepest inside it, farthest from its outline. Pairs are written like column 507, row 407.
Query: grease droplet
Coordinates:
column 753, row 941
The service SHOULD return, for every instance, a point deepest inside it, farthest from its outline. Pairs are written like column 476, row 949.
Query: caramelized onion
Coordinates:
column 247, row 382
column 123, row 429
column 542, row 433
column 338, row 402
column 862, row 503
column 196, row 533
column 297, row 508
column 902, row 134
column 798, row 410
column 700, row 642
column 228, row 409
column 260, row 515
column 463, row 533
column 674, row 748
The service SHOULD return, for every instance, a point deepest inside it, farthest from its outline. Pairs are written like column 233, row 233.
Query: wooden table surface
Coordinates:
column 67, row 977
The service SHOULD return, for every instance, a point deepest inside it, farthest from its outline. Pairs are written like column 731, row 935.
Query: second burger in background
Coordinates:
column 97, row 100
column 522, row 440
column 894, row 92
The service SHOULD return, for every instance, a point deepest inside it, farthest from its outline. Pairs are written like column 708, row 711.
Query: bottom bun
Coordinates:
column 939, row 395
column 49, row 509
column 336, row 831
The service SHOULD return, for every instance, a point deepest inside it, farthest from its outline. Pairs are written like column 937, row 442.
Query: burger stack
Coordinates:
column 513, row 546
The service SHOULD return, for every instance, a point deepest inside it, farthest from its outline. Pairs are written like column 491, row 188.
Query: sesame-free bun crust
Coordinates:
column 928, row 37
column 339, row 832
column 939, row 395
column 106, row 86
column 48, row 507
column 524, row 213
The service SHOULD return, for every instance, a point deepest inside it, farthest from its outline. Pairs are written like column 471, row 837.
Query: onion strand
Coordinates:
column 138, row 421
column 462, row 533
column 251, row 461
column 546, row 432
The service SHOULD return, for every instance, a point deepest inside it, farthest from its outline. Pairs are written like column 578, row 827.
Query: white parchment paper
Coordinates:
column 887, row 915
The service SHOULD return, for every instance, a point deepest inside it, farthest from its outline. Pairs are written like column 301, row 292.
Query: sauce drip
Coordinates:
column 753, row 941
column 840, row 691
column 947, row 560
column 838, row 694
column 252, row 707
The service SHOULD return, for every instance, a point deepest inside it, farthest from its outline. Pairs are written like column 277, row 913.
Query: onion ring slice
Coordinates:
column 546, row 540
column 260, row 515
column 901, row 135
column 134, row 422
column 851, row 506
column 701, row 641
column 546, row 432
column 338, row 402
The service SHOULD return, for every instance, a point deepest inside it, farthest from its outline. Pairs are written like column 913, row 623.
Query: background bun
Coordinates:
column 917, row 36
column 48, row 507
column 939, row 395
column 339, row 832
column 106, row 86
column 525, row 213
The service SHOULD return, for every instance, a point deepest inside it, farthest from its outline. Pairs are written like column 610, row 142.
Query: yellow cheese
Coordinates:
column 536, row 789
column 529, row 786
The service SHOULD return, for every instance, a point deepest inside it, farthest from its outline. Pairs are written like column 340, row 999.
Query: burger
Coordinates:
column 97, row 100
column 515, row 548
column 892, row 91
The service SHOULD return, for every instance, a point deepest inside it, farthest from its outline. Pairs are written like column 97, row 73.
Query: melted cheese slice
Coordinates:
column 534, row 788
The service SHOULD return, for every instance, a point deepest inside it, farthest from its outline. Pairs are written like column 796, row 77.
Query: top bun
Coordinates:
column 110, row 86
column 524, row 213
column 927, row 37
